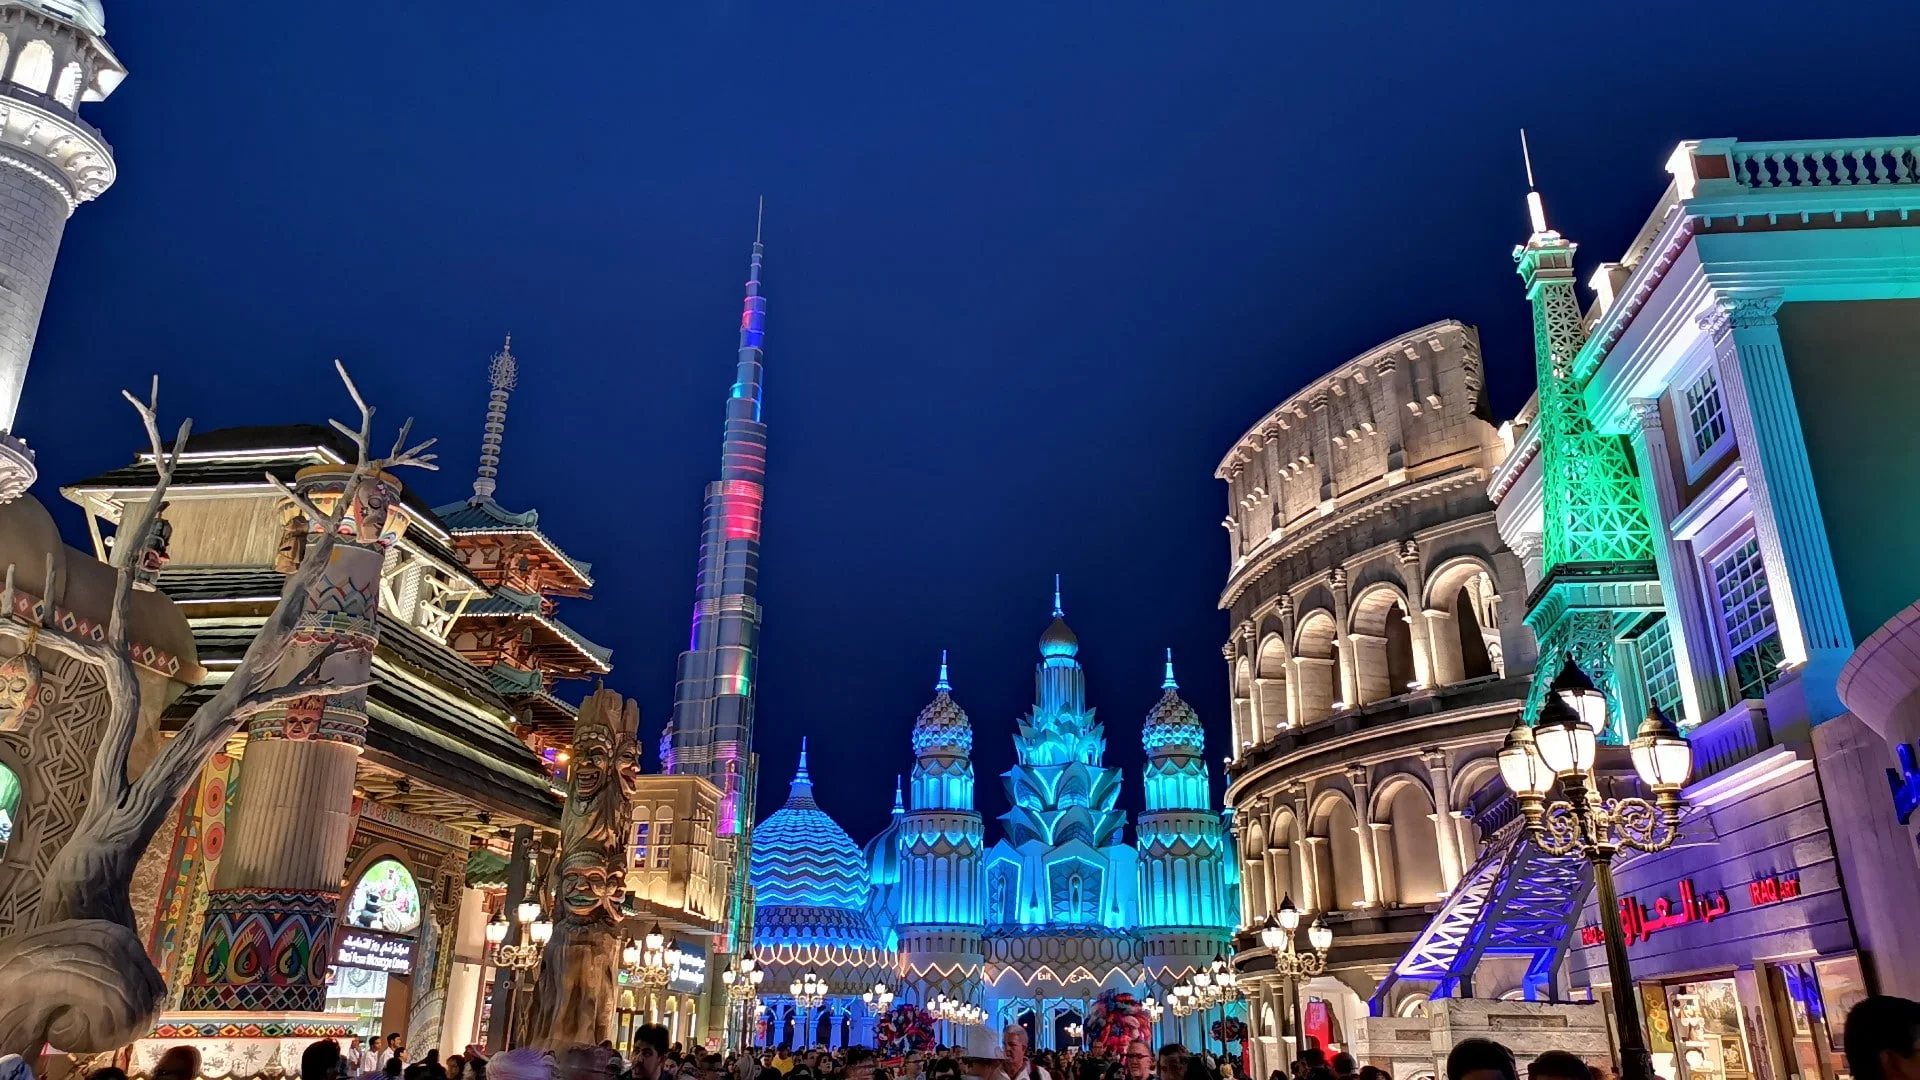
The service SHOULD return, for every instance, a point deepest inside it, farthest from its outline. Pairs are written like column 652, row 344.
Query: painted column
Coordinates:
column 1445, row 836
column 1701, row 688
column 1786, row 506
column 268, row 936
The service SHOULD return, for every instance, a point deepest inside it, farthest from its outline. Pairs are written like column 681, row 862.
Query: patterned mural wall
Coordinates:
column 52, row 751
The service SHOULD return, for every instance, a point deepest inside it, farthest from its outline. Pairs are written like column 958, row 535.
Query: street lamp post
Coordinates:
column 809, row 993
column 1215, row 984
column 535, row 930
column 1077, row 1032
column 743, row 978
column 1154, row 1011
column 1293, row 966
column 1562, row 746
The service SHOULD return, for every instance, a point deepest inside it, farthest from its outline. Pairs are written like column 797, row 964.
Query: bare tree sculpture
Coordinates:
column 79, row 978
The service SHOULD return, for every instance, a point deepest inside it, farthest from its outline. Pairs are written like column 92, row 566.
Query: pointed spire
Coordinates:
column 801, row 793
column 943, row 686
column 1058, row 611
column 800, row 775
column 503, row 374
column 1168, row 683
column 1536, row 209
column 899, row 802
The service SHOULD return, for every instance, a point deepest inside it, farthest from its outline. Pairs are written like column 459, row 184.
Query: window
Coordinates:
column 1662, row 671
column 642, row 843
column 1706, row 412
column 9, row 806
column 1746, row 616
column 663, row 844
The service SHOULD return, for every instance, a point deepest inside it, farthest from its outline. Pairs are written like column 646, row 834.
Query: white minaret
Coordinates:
column 53, row 56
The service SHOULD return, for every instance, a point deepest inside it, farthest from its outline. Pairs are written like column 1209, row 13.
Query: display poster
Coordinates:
column 385, row 899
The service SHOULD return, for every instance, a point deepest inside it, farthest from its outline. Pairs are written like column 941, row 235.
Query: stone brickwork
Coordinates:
column 33, row 215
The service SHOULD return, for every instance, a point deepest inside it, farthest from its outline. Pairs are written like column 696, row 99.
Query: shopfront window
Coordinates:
column 1707, row 1037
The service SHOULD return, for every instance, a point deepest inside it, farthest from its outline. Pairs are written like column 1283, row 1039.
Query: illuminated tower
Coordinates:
column 1064, row 860
column 713, row 692
column 1187, row 909
column 54, row 56
column 941, row 837
column 1597, row 548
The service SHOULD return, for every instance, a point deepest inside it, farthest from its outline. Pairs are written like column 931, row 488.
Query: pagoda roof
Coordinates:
column 513, row 604
column 524, row 684
column 480, row 516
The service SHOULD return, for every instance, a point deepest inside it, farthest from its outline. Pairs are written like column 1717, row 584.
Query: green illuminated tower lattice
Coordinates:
column 1597, row 570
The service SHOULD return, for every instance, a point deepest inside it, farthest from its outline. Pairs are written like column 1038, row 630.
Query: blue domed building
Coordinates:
column 1035, row 925
column 811, row 894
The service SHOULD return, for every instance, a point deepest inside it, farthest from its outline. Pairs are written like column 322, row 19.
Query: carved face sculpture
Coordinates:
column 592, row 759
column 372, row 519
column 303, row 718
column 589, row 886
column 293, row 544
column 626, row 765
column 19, row 684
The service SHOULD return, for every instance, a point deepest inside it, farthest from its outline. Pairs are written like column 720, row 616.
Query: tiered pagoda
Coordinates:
column 512, row 632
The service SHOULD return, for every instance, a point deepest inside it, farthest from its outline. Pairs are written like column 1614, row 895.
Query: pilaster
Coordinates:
column 1363, row 810
column 1393, row 386
column 1787, row 521
column 1700, row 687
column 1446, row 836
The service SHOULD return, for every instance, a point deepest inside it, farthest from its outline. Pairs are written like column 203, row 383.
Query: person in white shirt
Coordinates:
column 370, row 1059
column 1019, row 1065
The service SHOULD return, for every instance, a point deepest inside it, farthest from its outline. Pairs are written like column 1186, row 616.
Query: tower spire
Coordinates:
column 899, row 801
column 503, row 375
column 942, row 686
column 1058, row 611
column 1168, row 682
column 1536, row 209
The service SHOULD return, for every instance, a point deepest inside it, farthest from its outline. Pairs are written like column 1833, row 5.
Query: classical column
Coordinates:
column 1420, row 629
column 268, row 937
column 1279, row 875
column 1701, row 688
column 1445, row 836
column 1393, row 388
column 1256, row 709
column 1362, row 808
column 1530, row 549
column 1323, row 452
column 1342, row 640
column 1380, row 835
column 1786, row 506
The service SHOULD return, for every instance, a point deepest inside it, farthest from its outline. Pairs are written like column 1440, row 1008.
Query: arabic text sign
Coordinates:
column 1638, row 921
column 378, row 952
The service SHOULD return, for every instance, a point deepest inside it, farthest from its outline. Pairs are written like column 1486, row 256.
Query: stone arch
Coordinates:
column 1462, row 598
column 1270, row 685
column 1382, row 643
column 1315, row 669
column 33, row 68
column 1405, row 804
column 66, row 90
column 1472, row 776
column 1342, row 873
column 1285, row 832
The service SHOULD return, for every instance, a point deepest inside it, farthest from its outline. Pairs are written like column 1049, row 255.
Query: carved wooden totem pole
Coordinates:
column 573, row 1005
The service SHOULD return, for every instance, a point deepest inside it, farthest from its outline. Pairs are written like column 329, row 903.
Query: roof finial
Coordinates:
column 502, row 375
column 800, row 775
column 1536, row 210
column 943, row 686
column 899, row 804
column 1058, row 611
column 760, row 219
column 1168, row 683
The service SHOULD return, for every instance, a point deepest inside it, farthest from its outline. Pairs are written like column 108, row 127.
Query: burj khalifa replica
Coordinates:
column 712, row 726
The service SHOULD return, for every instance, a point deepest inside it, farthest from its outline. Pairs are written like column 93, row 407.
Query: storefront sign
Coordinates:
column 1638, row 922
column 1772, row 890
column 375, row 952
column 386, row 899
column 689, row 970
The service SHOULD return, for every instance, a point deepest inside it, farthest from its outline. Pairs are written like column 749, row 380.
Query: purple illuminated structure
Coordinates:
column 712, row 725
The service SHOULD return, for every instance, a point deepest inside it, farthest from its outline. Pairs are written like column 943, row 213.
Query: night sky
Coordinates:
column 1031, row 269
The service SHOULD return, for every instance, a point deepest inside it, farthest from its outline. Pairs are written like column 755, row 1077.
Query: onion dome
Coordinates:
column 883, row 851
column 1172, row 722
column 1058, row 639
column 801, row 857
column 943, row 723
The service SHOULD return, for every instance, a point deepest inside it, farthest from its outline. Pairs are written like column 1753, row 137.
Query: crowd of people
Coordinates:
column 1882, row 1043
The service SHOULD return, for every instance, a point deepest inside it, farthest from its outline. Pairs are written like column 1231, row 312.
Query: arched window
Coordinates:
column 1401, row 674
column 1475, row 661
column 1341, row 828
column 1270, row 682
column 642, row 840
column 34, row 69
column 1416, row 851
column 9, row 808
column 386, row 899
column 66, row 92
column 1313, row 660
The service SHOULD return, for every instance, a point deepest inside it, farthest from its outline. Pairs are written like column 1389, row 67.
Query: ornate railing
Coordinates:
column 1767, row 166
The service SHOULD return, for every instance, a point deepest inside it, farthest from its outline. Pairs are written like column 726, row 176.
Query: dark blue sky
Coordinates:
column 1031, row 269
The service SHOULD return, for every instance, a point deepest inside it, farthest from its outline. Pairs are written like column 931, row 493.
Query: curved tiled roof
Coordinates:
column 803, row 858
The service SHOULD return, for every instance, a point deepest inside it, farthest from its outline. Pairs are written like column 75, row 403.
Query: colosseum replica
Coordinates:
column 1377, row 659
